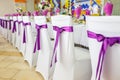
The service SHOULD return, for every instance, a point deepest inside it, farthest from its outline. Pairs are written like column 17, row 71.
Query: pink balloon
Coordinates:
column 57, row 10
column 78, row 11
column 108, row 8
column 87, row 12
column 73, row 12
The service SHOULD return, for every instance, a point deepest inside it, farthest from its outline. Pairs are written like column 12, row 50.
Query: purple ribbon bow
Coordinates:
column 24, row 35
column 106, row 41
column 19, row 22
column 37, row 43
column 14, row 26
column 59, row 31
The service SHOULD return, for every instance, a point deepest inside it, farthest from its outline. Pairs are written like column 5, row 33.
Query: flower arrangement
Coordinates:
column 44, row 7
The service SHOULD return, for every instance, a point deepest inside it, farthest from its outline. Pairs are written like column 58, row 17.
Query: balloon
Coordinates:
column 78, row 11
column 108, row 8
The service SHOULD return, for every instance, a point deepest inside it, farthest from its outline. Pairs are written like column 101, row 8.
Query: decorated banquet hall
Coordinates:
column 59, row 39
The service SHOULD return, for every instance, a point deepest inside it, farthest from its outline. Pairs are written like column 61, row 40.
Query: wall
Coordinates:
column 116, row 7
column 30, row 5
column 6, row 6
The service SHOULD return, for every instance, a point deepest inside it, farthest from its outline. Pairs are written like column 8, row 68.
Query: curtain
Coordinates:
column 20, row 1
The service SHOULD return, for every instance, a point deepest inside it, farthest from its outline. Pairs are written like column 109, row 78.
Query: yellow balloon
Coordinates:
column 98, row 2
column 83, row 12
column 52, row 5
column 67, row 3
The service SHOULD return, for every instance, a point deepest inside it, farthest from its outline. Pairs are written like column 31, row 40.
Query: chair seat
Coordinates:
column 82, row 63
column 81, row 54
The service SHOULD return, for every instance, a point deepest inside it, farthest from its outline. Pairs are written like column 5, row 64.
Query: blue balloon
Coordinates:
column 83, row 6
column 72, row 1
column 87, row 6
column 73, row 7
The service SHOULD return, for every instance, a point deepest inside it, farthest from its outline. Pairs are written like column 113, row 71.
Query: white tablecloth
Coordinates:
column 80, row 34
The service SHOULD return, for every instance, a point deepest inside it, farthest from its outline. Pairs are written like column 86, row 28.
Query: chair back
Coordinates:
column 107, row 26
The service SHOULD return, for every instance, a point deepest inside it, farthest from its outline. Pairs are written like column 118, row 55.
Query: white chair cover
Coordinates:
column 70, row 65
column 23, row 27
column 64, row 67
column 4, row 31
column 14, row 34
column 44, row 56
column 0, row 25
column 1, row 28
column 30, row 43
column 10, row 31
column 19, row 32
column 108, row 26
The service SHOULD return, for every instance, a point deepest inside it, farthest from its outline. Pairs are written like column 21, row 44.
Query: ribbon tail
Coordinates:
column 101, row 67
column 13, row 27
column 54, row 56
column 35, row 47
column 38, row 39
column 101, row 60
column 3, row 24
column 9, row 25
column 24, row 36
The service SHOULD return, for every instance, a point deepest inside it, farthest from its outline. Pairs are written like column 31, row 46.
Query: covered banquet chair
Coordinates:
column 14, row 30
column 10, row 29
column 4, row 27
column 72, row 63
column 29, row 56
column 23, row 33
column 19, row 32
column 44, row 48
column 104, row 45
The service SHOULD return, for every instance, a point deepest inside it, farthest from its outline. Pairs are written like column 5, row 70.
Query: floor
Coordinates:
column 12, row 64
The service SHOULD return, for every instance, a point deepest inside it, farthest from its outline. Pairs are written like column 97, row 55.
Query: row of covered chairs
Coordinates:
column 57, row 61
column 62, row 60
column 31, row 37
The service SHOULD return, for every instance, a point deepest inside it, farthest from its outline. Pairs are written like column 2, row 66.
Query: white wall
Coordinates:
column 6, row 6
column 30, row 5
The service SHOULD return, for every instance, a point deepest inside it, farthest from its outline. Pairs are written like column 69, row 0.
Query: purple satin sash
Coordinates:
column 37, row 42
column 10, row 24
column 5, row 24
column 59, row 31
column 0, row 22
column 106, row 42
column 14, row 26
column 24, row 34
